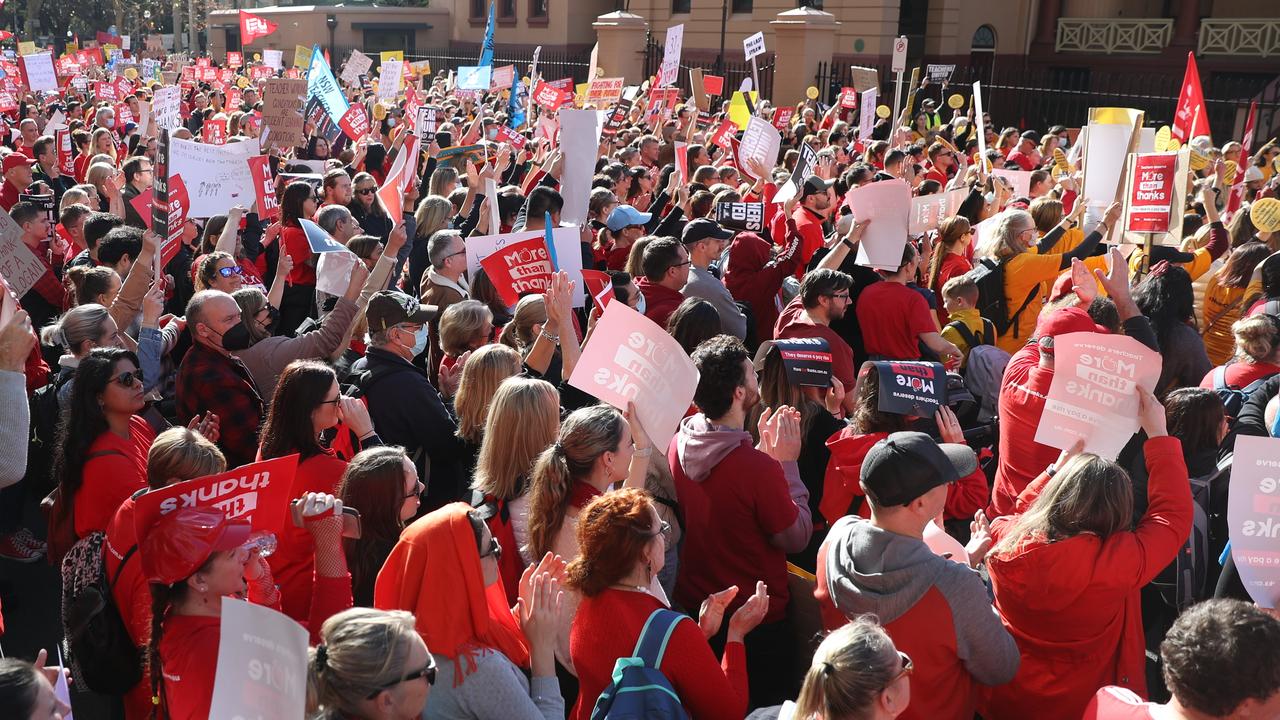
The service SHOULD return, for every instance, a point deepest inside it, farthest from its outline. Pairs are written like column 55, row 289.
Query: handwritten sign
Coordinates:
column 603, row 92
column 1094, row 393
column 282, row 100
column 167, row 106
column 865, row 78
column 39, row 72
column 753, row 45
column 18, row 264
column 670, row 69
column 358, row 64
column 629, row 358
column 262, row 663
column 389, row 79
column 257, row 492
column 1253, row 517
column 217, row 176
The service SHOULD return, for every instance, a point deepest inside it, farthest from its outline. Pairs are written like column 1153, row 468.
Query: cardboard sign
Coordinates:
column 629, row 358
column 1253, row 517
column 357, row 64
column 887, row 205
column 1151, row 192
column 217, row 176
column 257, row 492
column 282, row 100
column 1094, row 394
column 599, row 287
column 603, row 92
column 864, row 78
column 166, row 105
column 262, row 663
column 273, row 58
column 390, row 78
column 519, row 269
column 917, row 389
column 18, row 264
column 760, row 141
column 670, row 69
column 567, row 253
column 939, row 73
column 753, row 45
column 748, row 216
column 807, row 361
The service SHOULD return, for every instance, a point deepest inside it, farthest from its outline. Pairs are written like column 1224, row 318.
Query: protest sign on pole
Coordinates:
column 217, row 176
column 1094, row 393
column 262, row 663
column 258, row 492
column 982, row 125
column 1253, row 517
column 670, row 69
column 629, row 358
column 567, row 253
column 887, row 205
column 579, row 141
column 1106, row 149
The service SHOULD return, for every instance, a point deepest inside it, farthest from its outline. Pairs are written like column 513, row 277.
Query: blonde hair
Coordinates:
column 180, row 454
column 852, row 666
column 1004, row 239
column 1088, row 494
column 524, row 418
column 484, row 371
column 1256, row 338
column 518, row 334
column 80, row 323
column 99, row 173
column 361, row 651
column 1046, row 212
column 432, row 215
column 461, row 323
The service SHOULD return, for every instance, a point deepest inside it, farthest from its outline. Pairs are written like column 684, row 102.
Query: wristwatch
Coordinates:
column 845, row 242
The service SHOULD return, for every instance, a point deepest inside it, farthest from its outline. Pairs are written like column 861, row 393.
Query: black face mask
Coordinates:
column 237, row 337
column 273, row 318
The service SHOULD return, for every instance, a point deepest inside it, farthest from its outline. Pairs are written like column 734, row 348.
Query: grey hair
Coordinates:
column 438, row 246
column 330, row 215
column 80, row 323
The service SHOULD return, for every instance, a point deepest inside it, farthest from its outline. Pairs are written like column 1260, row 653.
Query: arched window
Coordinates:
column 984, row 38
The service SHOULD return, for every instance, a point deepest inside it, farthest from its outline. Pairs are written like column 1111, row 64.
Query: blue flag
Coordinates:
column 319, row 240
column 551, row 242
column 486, row 50
column 322, row 86
column 515, row 105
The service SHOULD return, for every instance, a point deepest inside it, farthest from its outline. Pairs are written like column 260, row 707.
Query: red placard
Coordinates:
column 215, row 132
column 727, row 129
column 782, row 117
column 519, row 269
column 66, row 163
column 234, row 59
column 599, row 286
column 258, row 492
column 1151, row 192
column 179, row 204
column 354, row 122
column 507, row 135
column 712, row 84
column 258, row 72
column 563, row 84
column 549, row 97
column 264, row 186
column 848, row 98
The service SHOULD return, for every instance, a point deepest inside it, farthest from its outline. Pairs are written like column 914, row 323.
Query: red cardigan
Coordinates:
column 110, row 478
column 607, row 627
column 1073, row 606
column 294, row 242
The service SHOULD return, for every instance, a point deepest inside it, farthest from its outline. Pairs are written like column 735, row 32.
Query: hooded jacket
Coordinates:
column 936, row 611
column 1074, row 605
column 743, row 512
column 754, row 275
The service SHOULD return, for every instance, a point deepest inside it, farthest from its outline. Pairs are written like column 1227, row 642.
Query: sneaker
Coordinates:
column 13, row 548
column 23, row 536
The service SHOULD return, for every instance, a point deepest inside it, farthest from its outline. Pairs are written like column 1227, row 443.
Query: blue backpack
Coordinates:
column 639, row 689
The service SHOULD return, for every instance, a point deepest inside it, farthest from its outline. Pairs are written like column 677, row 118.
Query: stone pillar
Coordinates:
column 804, row 38
column 621, row 36
column 1047, row 23
column 1186, row 26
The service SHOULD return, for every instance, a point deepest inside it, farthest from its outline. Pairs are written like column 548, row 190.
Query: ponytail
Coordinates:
column 162, row 597
column 950, row 231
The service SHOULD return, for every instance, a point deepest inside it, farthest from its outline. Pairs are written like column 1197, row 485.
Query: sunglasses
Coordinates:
column 494, row 550
column 127, row 379
column 428, row 672
column 366, row 191
column 906, row 669
column 418, row 489
column 227, row 272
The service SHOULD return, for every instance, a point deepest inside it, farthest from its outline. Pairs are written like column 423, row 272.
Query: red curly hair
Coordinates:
column 613, row 531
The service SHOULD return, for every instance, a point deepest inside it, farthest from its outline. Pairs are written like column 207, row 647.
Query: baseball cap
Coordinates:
column 17, row 159
column 1253, row 174
column 180, row 542
column 704, row 228
column 1066, row 320
column 390, row 307
column 625, row 216
column 814, row 185
column 1031, row 135
column 906, row 465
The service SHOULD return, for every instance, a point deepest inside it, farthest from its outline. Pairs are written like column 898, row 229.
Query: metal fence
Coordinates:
column 732, row 72
column 552, row 64
column 1041, row 97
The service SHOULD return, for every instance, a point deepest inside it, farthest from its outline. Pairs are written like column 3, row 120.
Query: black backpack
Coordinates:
column 988, row 275
column 100, row 653
column 1185, row 581
column 988, row 336
column 1233, row 398
column 42, row 439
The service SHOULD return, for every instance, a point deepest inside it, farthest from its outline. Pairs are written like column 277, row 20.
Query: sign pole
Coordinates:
column 755, row 76
column 897, row 99
column 899, row 67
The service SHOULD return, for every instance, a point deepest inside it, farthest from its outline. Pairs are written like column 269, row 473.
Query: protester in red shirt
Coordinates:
column 193, row 557
column 298, row 304
column 1221, row 659
column 950, row 258
column 666, row 270
column 940, row 162
column 1066, row 572
column 307, row 402
column 17, row 178
column 815, row 207
column 896, row 319
column 623, row 544
column 1025, row 155
column 824, row 296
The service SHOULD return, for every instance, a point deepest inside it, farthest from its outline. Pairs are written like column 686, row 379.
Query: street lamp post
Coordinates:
column 332, row 22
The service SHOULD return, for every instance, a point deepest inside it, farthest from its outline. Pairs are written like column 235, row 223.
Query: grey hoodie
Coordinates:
column 872, row 570
column 701, row 445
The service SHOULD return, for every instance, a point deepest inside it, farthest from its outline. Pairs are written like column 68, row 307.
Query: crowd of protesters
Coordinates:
column 833, row 560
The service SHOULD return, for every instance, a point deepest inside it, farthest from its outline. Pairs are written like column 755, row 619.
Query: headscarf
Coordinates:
column 434, row 572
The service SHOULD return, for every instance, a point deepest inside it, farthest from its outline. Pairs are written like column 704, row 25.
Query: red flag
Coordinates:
column 1237, row 188
column 253, row 27
column 4, row 34
column 1191, row 118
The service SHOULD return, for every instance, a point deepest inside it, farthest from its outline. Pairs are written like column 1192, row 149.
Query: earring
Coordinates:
column 648, row 566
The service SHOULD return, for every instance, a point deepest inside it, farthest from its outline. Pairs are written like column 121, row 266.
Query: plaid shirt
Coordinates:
column 209, row 381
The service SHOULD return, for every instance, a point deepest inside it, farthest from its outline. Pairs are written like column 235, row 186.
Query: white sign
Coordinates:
column 273, row 58
column 167, row 106
column 867, row 114
column 888, row 206
column 568, row 253
column 982, row 125
column 671, row 56
column 40, row 74
column 217, row 176
column 760, row 141
column 900, row 54
column 358, row 64
column 1019, row 180
column 753, row 46
column 580, row 141
column 389, row 79
column 262, row 664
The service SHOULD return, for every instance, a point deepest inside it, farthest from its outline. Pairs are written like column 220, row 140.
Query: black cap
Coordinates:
column 1031, row 135
column 704, row 228
column 389, row 307
column 814, row 185
column 906, row 465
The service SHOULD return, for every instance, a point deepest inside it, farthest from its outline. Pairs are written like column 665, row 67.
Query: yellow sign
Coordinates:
column 26, row 47
column 1229, row 175
column 257, row 57
column 242, row 82
column 131, row 73
column 883, row 111
column 392, row 56
column 1163, row 136
column 1198, row 161
column 1265, row 214
column 73, row 47
column 738, row 112
column 956, row 101
column 1174, row 145
column 811, row 92
column 1060, row 164
column 302, row 57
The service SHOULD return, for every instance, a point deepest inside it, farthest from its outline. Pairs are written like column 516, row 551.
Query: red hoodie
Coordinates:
column 1022, row 397
column 1073, row 606
column 754, row 276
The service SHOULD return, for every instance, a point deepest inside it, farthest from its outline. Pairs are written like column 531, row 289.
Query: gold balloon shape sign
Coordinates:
column 882, row 111
column 379, row 112
column 1163, row 136
column 955, row 102
column 811, row 92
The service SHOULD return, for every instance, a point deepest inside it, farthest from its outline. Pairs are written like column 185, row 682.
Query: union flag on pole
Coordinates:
column 253, row 27
column 1191, row 118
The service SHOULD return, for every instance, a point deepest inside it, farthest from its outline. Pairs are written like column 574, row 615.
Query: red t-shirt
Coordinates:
column 1241, row 374
column 892, row 317
column 953, row 265
column 809, row 226
column 295, row 243
column 110, row 478
column 293, row 562
column 1117, row 703
column 1021, row 159
column 132, row 595
column 1022, row 398
column 792, row 323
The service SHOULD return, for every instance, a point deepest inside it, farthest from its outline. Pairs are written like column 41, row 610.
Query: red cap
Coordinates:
column 1067, row 320
column 180, row 542
column 17, row 159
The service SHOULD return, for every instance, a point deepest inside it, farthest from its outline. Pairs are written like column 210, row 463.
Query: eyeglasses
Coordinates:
column 664, row 529
column 418, row 488
column 906, row 669
column 494, row 551
column 127, row 379
column 366, row 191
column 463, row 251
column 428, row 672
column 334, row 401
column 227, row 272
column 681, row 264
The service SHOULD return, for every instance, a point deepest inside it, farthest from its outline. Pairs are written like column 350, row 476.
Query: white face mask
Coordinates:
column 640, row 304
